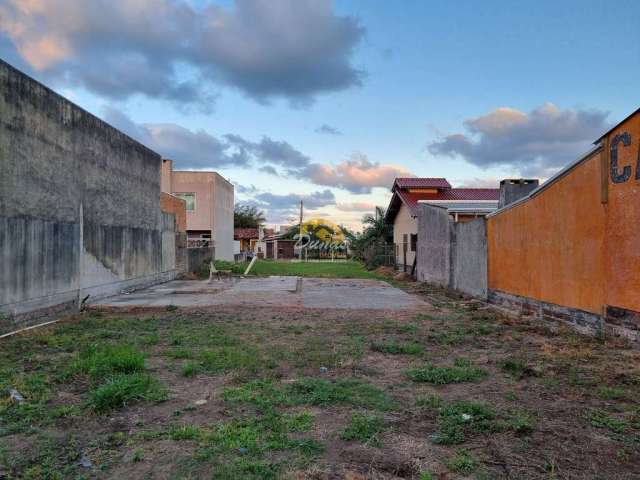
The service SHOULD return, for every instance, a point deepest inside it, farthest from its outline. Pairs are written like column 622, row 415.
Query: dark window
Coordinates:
column 404, row 238
column 414, row 242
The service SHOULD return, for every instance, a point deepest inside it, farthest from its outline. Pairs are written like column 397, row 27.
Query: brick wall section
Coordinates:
column 172, row 204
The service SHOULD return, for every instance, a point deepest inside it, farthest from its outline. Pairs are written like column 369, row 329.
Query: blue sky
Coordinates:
column 472, row 91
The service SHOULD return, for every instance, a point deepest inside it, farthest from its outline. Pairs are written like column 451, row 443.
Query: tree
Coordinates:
column 377, row 235
column 248, row 216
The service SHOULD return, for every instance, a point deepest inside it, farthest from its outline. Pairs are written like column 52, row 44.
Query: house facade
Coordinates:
column 209, row 203
column 464, row 204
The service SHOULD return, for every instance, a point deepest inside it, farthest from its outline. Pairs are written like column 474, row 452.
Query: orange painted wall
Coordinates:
column 564, row 246
column 177, row 206
column 623, row 225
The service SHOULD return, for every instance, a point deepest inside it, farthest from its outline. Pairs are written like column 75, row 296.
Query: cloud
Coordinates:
column 479, row 183
column 537, row 143
column 285, row 208
column 356, row 207
column 270, row 151
column 187, row 148
column 199, row 149
column 168, row 49
column 268, row 169
column 292, row 201
column 358, row 175
column 327, row 130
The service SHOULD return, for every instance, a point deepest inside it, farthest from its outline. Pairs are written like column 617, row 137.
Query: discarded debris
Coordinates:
column 15, row 396
column 466, row 417
column 324, row 369
column 200, row 402
column 243, row 450
column 84, row 462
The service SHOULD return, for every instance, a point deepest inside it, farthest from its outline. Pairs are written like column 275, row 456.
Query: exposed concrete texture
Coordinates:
column 271, row 291
column 584, row 322
column 79, row 205
column 197, row 257
column 435, row 230
column 450, row 254
column 512, row 190
column 469, row 259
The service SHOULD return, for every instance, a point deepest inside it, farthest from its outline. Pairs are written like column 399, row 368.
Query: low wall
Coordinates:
column 196, row 257
column 469, row 264
column 433, row 264
column 452, row 255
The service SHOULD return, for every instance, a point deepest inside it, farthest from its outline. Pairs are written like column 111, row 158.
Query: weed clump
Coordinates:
column 121, row 389
column 457, row 419
column 461, row 371
column 365, row 428
column 397, row 348
column 100, row 363
column 462, row 462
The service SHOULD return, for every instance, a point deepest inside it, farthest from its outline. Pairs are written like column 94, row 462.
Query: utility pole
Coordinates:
column 300, row 232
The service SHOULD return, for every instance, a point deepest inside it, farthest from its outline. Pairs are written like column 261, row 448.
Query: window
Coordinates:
column 190, row 198
column 414, row 242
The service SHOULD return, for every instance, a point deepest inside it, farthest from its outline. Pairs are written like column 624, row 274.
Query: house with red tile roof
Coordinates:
column 463, row 204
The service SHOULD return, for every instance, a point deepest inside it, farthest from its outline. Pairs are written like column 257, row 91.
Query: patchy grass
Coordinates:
column 123, row 389
column 185, row 432
column 517, row 367
column 393, row 347
column 458, row 419
column 462, row 371
column 364, row 428
column 101, row 362
column 600, row 419
column 315, row 391
column 337, row 269
column 271, row 393
column 462, row 462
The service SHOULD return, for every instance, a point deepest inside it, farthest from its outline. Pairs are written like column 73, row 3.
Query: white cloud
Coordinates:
column 294, row 49
column 537, row 143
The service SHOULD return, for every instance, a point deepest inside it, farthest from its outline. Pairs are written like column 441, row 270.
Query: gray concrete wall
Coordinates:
column 196, row 257
column 469, row 259
column 512, row 190
column 79, row 205
column 434, row 245
column 452, row 255
column 223, row 205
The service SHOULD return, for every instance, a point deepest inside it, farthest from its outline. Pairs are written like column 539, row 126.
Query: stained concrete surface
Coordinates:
column 270, row 291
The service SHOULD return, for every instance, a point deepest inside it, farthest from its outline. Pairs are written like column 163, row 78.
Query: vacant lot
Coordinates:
column 453, row 392
column 323, row 269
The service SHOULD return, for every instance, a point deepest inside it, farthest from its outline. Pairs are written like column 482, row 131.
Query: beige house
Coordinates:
column 210, row 202
column 402, row 212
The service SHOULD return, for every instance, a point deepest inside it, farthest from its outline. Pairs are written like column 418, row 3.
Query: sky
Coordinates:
column 329, row 101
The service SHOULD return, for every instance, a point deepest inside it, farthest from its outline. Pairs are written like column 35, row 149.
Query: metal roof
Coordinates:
column 420, row 182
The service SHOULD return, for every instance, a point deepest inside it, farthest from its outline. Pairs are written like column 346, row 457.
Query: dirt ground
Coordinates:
column 454, row 391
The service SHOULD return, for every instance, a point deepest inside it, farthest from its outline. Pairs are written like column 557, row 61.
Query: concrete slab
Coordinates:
column 356, row 294
column 270, row 291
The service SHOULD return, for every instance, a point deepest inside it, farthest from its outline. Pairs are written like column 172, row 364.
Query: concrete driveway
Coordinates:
column 270, row 291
